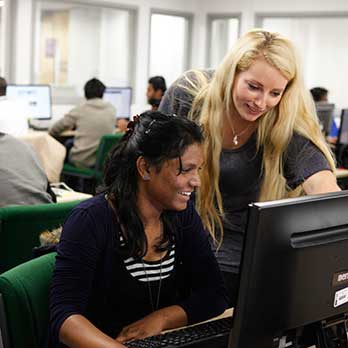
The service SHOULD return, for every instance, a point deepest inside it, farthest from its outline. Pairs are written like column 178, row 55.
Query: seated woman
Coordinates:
column 136, row 260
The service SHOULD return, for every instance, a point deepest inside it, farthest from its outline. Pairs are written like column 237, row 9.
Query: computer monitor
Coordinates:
column 325, row 112
column 35, row 100
column 294, row 269
column 121, row 99
column 343, row 131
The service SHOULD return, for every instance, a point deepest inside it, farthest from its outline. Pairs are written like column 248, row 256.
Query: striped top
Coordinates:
column 150, row 270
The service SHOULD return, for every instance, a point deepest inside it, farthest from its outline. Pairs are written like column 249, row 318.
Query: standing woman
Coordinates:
column 136, row 260
column 262, row 137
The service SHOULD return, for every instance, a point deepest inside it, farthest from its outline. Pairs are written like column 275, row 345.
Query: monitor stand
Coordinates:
column 332, row 333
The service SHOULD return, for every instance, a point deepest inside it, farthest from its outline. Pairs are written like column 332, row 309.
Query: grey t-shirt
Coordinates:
column 241, row 176
column 240, row 180
column 22, row 180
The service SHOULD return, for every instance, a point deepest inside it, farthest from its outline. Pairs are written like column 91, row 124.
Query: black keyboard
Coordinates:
column 212, row 334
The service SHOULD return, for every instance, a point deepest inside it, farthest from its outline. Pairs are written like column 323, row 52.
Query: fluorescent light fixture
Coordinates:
column 2, row 3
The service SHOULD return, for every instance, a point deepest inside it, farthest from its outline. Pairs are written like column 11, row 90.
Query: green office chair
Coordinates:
column 24, row 313
column 90, row 178
column 20, row 227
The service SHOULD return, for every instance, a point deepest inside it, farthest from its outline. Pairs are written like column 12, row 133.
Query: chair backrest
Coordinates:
column 343, row 131
column 325, row 113
column 20, row 227
column 24, row 303
column 107, row 141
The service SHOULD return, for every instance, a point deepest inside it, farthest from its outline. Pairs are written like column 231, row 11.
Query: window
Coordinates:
column 223, row 31
column 169, row 45
column 76, row 42
column 2, row 13
column 322, row 44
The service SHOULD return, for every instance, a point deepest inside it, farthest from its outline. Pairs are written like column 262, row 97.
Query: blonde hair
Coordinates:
column 294, row 113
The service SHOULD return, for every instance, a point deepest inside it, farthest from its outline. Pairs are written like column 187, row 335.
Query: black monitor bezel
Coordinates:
column 255, row 209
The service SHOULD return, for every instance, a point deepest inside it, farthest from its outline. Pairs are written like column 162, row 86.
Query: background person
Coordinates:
column 263, row 141
column 91, row 121
column 136, row 260
column 319, row 94
column 155, row 91
column 22, row 179
column 13, row 121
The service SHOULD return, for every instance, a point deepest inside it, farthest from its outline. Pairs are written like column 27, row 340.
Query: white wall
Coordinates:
column 23, row 37
column 86, row 62
column 23, row 32
column 114, row 67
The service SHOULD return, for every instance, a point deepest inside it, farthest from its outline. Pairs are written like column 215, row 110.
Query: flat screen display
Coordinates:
column 35, row 100
column 121, row 99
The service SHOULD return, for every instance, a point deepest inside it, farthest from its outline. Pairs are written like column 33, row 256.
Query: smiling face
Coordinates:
column 257, row 90
column 167, row 189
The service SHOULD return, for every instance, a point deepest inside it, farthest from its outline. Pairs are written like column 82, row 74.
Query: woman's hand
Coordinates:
column 154, row 323
column 151, row 325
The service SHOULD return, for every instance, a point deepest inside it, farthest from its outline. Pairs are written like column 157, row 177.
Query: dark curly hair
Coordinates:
column 157, row 137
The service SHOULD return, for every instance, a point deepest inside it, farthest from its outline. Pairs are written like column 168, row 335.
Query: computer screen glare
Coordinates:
column 120, row 98
column 35, row 100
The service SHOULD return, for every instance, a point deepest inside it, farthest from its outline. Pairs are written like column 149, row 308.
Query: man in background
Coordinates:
column 91, row 121
column 320, row 94
column 22, row 179
column 13, row 121
column 155, row 91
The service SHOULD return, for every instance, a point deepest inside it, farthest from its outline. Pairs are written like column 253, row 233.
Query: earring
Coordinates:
column 146, row 177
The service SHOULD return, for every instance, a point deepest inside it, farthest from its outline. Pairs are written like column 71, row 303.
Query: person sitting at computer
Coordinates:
column 136, row 260
column 155, row 91
column 91, row 121
column 321, row 96
column 13, row 121
column 263, row 141
column 22, row 179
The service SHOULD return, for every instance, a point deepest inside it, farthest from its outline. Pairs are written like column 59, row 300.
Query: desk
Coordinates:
column 50, row 152
column 227, row 313
column 342, row 178
column 69, row 196
column 341, row 173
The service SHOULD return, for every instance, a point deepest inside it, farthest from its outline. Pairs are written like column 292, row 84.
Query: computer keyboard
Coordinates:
column 212, row 334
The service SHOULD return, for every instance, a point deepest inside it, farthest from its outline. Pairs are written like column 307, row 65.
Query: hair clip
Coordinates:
column 148, row 130
column 131, row 126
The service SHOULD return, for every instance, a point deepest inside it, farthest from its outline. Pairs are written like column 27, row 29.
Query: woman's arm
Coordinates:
column 75, row 271
column 154, row 323
column 306, row 165
column 78, row 332
column 321, row 182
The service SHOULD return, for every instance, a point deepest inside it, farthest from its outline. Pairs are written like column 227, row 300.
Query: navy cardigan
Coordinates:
column 90, row 277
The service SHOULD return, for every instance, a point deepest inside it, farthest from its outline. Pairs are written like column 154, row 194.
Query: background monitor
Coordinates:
column 121, row 99
column 35, row 100
column 294, row 268
column 325, row 113
column 343, row 131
